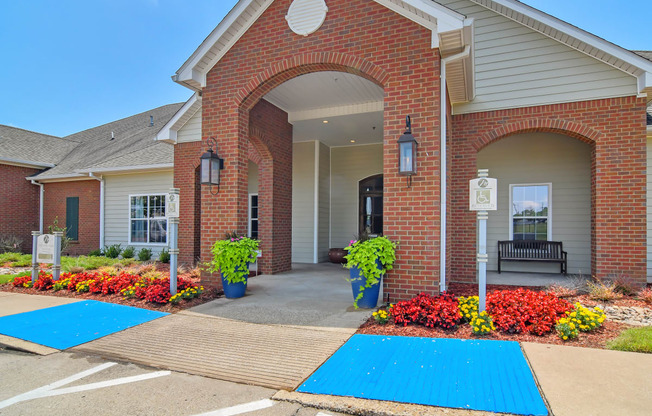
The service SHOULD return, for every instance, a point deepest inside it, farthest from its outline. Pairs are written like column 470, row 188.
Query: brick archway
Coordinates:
column 614, row 128
column 537, row 125
column 269, row 137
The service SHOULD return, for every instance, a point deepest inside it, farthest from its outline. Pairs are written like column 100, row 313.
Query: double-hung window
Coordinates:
column 530, row 217
column 147, row 221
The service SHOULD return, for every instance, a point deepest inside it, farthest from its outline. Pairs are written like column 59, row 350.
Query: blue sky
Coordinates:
column 70, row 65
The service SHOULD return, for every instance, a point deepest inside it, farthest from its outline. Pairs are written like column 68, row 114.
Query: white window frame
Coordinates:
column 249, row 215
column 167, row 222
column 511, row 210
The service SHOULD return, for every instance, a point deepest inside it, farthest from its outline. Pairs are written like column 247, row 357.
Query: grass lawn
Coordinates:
column 634, row 340
column 86, row 262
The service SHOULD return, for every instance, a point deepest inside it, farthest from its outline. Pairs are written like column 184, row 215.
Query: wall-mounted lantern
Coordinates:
column 210, row 167
column 407, row 152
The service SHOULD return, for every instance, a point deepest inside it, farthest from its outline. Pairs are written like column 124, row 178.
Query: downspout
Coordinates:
column 444, row 165
column 101, row 179
column 40, row 206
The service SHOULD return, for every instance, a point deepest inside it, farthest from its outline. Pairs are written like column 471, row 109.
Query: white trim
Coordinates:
column 60, row 178
column 25, row 163
column 169, row 131
column 167, row 222
column 534, row 19
column 343, row 110
column 315, row 238
column 511, row 212
column 128, row 168
column 40, row 205
column 249, row 214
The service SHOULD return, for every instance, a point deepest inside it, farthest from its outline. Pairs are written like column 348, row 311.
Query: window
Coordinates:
column 253, row 216
column 530, row 217
column 147, row 221
column 72, row 218
column 370, row 219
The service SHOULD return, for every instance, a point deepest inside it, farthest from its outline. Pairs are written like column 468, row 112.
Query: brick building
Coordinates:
column 306, row 100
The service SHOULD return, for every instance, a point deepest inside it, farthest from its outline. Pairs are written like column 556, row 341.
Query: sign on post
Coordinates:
column 483, row 194
column 172, row 205
column 483, row 197
column 45, row 249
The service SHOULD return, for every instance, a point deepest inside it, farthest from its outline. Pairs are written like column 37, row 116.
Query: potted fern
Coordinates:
column 368, row 260
column 231, row 257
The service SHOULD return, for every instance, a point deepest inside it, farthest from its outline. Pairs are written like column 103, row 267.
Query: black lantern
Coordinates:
column 211, row 164
column 407, row 151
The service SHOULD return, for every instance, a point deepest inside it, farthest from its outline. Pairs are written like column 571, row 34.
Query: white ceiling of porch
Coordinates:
column 352, row 105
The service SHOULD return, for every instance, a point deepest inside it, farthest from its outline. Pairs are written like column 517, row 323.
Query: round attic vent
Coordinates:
column 306, row 16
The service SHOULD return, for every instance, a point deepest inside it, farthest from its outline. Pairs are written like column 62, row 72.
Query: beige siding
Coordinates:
column 649, row 209
column 116, row 208
column 303, row 202
column 324, row 201
column 253, row 178
column 543, row 158
column 349, row 165
column 191, row 131
column 518, row 67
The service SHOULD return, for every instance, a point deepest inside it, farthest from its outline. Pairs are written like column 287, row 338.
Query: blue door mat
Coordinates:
column 73, row 324
column 490, row 376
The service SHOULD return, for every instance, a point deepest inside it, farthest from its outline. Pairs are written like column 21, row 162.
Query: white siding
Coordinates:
column 116, row 208
column 324, row 201
column 649, row 209
column 518, row 67
column 191, row 131
column 303, row 202
column 543, row 158
column 349, row 165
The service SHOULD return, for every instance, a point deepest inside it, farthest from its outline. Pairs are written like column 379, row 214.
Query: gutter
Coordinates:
column 40, row 205
column 443, row 176
column 101, row 179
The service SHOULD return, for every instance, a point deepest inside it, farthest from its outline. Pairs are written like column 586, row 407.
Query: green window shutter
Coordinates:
column 72, row 218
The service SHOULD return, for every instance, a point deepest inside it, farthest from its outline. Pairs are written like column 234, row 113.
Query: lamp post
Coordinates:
column 407, row 152
column 211, row 164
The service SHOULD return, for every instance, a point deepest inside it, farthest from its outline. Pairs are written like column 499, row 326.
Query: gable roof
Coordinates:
column 132, row 148
column 451, row 33
column 192, row 73
column 32, row 149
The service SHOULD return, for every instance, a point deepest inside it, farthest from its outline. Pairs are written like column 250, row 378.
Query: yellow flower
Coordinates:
column 565, row 337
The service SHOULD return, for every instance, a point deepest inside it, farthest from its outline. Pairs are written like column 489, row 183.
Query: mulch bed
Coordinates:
column 595, row 339
column 208, row 295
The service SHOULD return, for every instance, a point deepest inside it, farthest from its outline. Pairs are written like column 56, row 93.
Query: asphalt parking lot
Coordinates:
column 72, row 383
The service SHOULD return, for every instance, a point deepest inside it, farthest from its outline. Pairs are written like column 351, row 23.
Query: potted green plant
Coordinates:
column 368, row 260
column 231, row 257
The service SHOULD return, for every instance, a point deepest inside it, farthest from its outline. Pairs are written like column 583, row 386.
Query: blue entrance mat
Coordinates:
column 470, row 374
column 73, row 324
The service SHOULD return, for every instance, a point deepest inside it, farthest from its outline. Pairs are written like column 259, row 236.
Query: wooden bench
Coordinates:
column 533, row 250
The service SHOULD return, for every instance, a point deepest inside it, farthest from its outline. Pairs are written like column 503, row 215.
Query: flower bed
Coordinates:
column 149, row 289
column 518, row 315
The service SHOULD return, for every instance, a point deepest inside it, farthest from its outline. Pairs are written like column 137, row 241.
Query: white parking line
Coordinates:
column 50, row 389
column 240, row 409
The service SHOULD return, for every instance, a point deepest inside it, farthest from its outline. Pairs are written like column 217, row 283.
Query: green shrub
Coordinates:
column 128, row 252
column 603, row 290
column 634, row 340
column 144, row 254
column 95, row 253
column 16, row 259
column 164, row 257
column 113, row 251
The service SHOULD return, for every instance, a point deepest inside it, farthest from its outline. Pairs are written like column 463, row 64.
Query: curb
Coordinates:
column 25, row 346
column 364, row 407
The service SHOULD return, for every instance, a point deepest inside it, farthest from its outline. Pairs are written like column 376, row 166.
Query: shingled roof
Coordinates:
column 127, row 143
column 26, row 147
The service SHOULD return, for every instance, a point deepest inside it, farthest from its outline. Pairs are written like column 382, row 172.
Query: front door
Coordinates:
column 371, row 206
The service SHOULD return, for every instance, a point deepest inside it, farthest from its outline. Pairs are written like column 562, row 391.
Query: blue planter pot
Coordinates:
column 234, row 290
column 369, row 298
